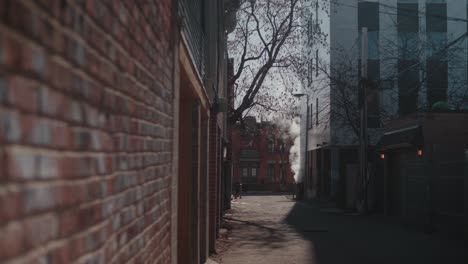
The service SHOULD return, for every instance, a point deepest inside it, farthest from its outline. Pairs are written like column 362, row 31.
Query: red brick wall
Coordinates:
column 260, row 143
column 213, row 178
column 85, row 130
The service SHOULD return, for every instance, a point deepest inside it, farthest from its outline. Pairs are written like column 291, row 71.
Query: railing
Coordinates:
column 193, row 31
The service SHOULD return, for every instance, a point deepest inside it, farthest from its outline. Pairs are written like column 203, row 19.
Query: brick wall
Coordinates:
column 85, row 131
column 213, row 179
column 260, row 144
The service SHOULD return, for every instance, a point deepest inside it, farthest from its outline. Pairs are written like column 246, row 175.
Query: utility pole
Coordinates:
column 363, row 114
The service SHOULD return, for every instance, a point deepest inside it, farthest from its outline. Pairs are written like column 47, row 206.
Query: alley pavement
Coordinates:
column 276, row 230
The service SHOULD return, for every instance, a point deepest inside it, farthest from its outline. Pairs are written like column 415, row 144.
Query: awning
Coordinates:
column 402, row 138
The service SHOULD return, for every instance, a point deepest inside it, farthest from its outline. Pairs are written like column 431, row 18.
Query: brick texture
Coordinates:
column 86, row 122
column 262, row 182
column 213, row 184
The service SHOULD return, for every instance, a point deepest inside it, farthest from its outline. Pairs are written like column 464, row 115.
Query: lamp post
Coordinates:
column 299, row 95
column 363, row 117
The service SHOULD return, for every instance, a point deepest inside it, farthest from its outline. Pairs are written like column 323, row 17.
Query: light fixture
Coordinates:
column 382, row 156
column 420, row 152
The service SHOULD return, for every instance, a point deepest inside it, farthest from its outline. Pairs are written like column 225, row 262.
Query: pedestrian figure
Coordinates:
column 238, row 190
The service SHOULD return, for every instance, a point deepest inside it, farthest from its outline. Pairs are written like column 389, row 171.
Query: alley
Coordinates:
column 277, row 230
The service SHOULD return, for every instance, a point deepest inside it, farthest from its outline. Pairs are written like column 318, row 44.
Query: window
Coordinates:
column 437, row 66
column 245, row 172
column 436, row 17
column 271, row 172
column 271, row 145
column 282, row 172
column 436, row 41
column 310, row 70
column 316, row 63
column 253, row 172
column 373, row 96
column 408, row 45
column 316, row 13
column 310, row 122
column 407, row 81
column 368, row 15
column 316, row 112
column 249, row 173
column 281, row 146
column 408, row 17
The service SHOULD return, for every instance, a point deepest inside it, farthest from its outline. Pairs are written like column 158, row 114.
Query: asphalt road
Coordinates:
column 277, row 230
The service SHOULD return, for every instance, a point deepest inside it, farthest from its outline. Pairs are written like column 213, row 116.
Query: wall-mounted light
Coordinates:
column 382, row 156
column 420, row 152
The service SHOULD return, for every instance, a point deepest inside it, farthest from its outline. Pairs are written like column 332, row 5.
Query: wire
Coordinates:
column 464, row 35
column 457, row 19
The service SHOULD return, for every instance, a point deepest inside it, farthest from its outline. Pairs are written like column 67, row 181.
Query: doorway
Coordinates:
column 189, row 175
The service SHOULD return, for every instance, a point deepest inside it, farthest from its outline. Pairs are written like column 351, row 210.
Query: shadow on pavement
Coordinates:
column 271, row 230
column 340, row 238
column 258, row 234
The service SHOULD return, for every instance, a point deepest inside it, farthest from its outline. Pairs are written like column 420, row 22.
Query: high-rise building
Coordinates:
column 416, row 58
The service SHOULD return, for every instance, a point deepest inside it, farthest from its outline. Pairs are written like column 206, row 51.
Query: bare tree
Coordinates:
column 410, row 64
column 266, row 46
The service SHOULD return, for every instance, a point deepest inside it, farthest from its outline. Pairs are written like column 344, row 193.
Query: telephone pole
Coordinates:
column 363, row 115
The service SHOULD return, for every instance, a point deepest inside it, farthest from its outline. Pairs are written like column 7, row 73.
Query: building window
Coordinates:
column 316, row 63
column 245, row 172
column 436, row 17
column 271, row 145
column 281, row 146
column 316, row 112
column 437, row 65
column 282, row 172
column 253, row 172
column 310, row 70
column 271, row 172
column 309, row 116
column 408, row 56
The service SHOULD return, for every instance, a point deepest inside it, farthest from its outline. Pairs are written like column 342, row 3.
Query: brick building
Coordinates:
column 203, row 141
column 424, row 171
column 105, row 111
column 261, row 157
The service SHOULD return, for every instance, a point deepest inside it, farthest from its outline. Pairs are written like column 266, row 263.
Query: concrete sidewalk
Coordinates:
column 276, row 230
column 260, row 234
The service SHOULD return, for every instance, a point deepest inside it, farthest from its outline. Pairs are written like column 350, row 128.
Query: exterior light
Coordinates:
column 382, row 156
column 420, row 152
column 224, row 152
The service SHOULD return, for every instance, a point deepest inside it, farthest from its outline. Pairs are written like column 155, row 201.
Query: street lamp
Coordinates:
column 299, row 95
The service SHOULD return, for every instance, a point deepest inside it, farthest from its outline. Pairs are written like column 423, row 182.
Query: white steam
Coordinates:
column 290, row 129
